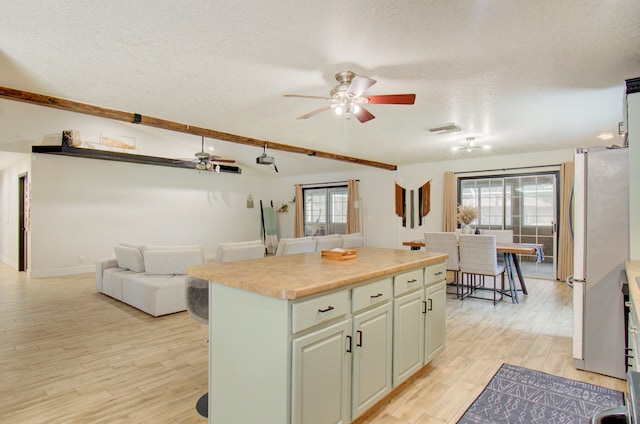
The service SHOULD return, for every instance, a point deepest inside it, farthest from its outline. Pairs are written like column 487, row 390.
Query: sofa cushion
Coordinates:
column 352, row 240
column 171, row 261
column 129, row 258
column 155, row 294
column 328, row 242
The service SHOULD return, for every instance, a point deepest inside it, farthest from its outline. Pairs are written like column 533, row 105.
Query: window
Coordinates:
column 325, row 210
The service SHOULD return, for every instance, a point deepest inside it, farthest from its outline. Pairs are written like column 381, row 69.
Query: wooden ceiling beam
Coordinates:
column 73, row 106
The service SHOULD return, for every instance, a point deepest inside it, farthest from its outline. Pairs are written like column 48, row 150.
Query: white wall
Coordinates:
column 382, row 228
column 9, row 210
column 81, row 208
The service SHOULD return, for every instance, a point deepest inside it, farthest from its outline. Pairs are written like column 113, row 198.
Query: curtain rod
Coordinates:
column 506, row 169
column 329, row 182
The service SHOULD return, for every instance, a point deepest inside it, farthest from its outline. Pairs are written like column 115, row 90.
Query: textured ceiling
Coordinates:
column 520, row 76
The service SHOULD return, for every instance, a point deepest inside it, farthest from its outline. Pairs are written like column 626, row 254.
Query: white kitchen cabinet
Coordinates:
column 321, row 375
column 408, row 335
column 435, row 326
column 633, row 339
column 372, row 357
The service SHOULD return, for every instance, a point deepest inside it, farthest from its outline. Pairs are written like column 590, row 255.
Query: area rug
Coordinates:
column 521, row 395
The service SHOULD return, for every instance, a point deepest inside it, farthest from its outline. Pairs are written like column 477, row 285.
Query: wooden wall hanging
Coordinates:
column 424, row 204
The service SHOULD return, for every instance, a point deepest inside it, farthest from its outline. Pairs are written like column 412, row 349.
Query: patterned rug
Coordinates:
column 521, row 395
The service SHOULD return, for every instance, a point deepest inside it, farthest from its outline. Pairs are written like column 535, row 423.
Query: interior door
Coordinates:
column 23, row 203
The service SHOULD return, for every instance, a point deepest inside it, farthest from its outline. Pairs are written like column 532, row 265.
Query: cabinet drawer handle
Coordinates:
column 376, row 295
column 359, row 342
column 430, row 308
column 438, row 273
column 413, row 280
column 349, row 344
column 329, row 308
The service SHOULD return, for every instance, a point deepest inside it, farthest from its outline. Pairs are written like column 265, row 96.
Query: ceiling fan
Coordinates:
column 207, row 162
column 347, row 98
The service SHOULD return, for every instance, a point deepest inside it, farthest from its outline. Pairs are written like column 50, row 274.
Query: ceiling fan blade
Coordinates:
column 307, row 97
column 223, row 160
column 322, row 109
column 359, row 85
column 392, row 99
column 363, row 115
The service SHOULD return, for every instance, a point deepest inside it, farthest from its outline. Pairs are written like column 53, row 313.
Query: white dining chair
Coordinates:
column 477, row 261
column 446, row 243
column 502, row 236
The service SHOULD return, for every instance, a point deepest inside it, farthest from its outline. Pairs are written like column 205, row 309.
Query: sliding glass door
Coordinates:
column 524, row 203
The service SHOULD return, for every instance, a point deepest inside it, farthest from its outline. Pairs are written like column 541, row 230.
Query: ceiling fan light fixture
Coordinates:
column 470, row 146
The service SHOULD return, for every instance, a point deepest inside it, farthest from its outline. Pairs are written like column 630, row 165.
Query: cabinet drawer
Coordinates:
column 314, row 311
column 435, row 273
column 408, row 281
column 371, row 294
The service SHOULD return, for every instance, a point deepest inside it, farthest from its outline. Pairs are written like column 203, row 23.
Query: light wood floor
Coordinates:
column 71, row 355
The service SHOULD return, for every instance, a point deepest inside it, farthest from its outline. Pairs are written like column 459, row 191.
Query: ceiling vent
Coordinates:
column 446, row 128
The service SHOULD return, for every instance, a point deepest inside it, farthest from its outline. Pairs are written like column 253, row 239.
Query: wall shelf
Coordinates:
column 124, row 157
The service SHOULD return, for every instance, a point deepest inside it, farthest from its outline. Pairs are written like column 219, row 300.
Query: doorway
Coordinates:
column 23, row 217
column 524, row 203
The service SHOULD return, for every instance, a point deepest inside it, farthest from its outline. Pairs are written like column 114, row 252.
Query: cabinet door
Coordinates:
column 435, row 326
column 372, row 361
column 633, row 362
column 408, row 335
column 320, row 375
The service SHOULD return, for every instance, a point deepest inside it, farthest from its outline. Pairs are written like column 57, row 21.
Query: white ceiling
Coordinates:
column 520, row 76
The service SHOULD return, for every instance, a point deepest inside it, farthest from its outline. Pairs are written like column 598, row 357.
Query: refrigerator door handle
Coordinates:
column 570, row 217
column 569, row 281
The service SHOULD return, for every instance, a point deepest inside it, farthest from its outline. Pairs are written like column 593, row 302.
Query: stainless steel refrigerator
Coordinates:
column 601, row 246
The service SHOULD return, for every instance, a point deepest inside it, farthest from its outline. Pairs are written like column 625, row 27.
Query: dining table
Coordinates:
column 510, row 252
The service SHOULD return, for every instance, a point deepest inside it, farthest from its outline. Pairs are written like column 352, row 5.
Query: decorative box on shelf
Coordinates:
column 339, row 254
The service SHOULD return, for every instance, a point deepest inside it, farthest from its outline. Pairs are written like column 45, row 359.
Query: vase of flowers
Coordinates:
column 466, row 215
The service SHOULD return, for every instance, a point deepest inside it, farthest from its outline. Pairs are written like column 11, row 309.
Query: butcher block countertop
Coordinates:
column 305, row 274
column 633, row 271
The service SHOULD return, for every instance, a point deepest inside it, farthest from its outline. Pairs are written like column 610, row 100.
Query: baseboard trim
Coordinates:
column 13, row 264
column 57, row 272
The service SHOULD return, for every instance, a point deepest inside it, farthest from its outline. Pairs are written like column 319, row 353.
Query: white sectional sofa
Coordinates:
column 150, row 278
column 288, row 246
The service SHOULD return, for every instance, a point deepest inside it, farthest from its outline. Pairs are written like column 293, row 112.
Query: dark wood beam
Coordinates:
column 103, row 112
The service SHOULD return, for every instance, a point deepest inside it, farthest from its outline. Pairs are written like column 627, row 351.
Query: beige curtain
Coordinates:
column 450, row 205
column 353, row 217
column 298, row 230
column 565, row 244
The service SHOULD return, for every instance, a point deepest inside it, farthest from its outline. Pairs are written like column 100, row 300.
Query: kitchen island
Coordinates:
column 308, row 339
